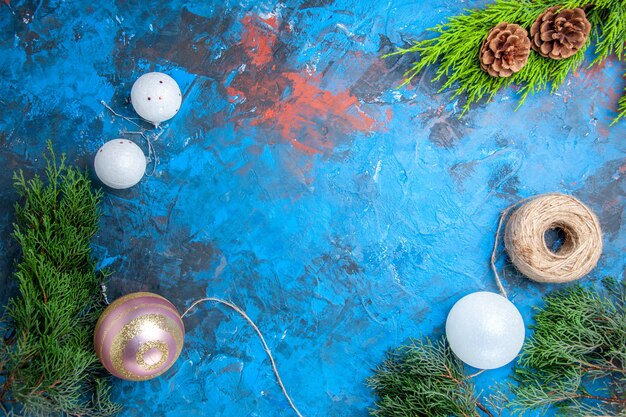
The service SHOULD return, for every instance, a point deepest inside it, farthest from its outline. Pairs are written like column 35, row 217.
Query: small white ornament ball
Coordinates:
column 156, row 97
column 485, row 330
column 120, row 163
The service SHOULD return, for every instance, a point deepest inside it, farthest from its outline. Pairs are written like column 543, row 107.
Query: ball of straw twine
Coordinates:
column 524, row 238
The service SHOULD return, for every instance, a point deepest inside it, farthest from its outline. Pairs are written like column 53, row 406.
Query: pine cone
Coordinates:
column 505, row 50
column 559, row 35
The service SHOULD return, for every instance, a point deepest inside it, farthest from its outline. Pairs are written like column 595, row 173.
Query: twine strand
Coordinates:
column 494, row 256
column 475, row 374
column 524, row 239
column 258, row 332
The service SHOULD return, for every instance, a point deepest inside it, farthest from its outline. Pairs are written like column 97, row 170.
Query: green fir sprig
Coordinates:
column 455, row 49
column 576, row 358
column 423, row 378
column 47, row 362
column 575, row 362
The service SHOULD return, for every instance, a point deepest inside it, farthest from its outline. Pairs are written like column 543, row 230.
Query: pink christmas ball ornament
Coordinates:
column 139, row 336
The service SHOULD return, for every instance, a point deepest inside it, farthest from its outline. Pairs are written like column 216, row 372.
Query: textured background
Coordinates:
column 344, row 215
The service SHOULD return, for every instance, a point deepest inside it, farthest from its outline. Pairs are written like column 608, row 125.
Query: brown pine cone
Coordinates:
column 559, row 35
column 505, row 50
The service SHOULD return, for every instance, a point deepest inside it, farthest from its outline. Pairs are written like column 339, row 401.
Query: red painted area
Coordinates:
column 259, row 38
column 291, row 103
column 389, row 115
column 598, row 69
column 604, row 132
column 303, row 117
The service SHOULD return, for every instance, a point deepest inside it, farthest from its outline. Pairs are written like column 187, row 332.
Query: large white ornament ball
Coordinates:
column 120, row 163
column 156, row 97
column 485, row 330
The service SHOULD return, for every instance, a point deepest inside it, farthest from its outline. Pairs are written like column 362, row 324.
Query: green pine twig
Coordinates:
column 424, row 378
column 576, row 359
column 455, row 49
column 47, row 362
column 575, row 362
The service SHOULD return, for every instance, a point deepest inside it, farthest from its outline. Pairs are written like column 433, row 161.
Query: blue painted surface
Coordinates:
column 342, row 214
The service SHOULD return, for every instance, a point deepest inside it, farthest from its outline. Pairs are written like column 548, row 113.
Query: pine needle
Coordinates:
column 455, row 49
column 576, row 358
column 423, row 378
column 47, row 362
column 575, row 362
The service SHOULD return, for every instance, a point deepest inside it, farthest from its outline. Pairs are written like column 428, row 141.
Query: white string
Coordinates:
column 103, row 287
column 152, row 155
column 256, row 329
column 131, row 120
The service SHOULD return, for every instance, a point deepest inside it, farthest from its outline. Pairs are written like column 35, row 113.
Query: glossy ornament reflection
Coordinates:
column 139, row 336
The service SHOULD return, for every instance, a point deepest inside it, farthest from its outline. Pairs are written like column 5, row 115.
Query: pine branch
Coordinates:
column 576, row 358
column 484, row 409
column 457, row 42
column 47, row 361
column 423, row 379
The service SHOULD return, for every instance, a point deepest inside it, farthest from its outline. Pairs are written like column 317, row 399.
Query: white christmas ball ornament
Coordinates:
column 156, row 97
column 120, row 163
column 485, row 330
